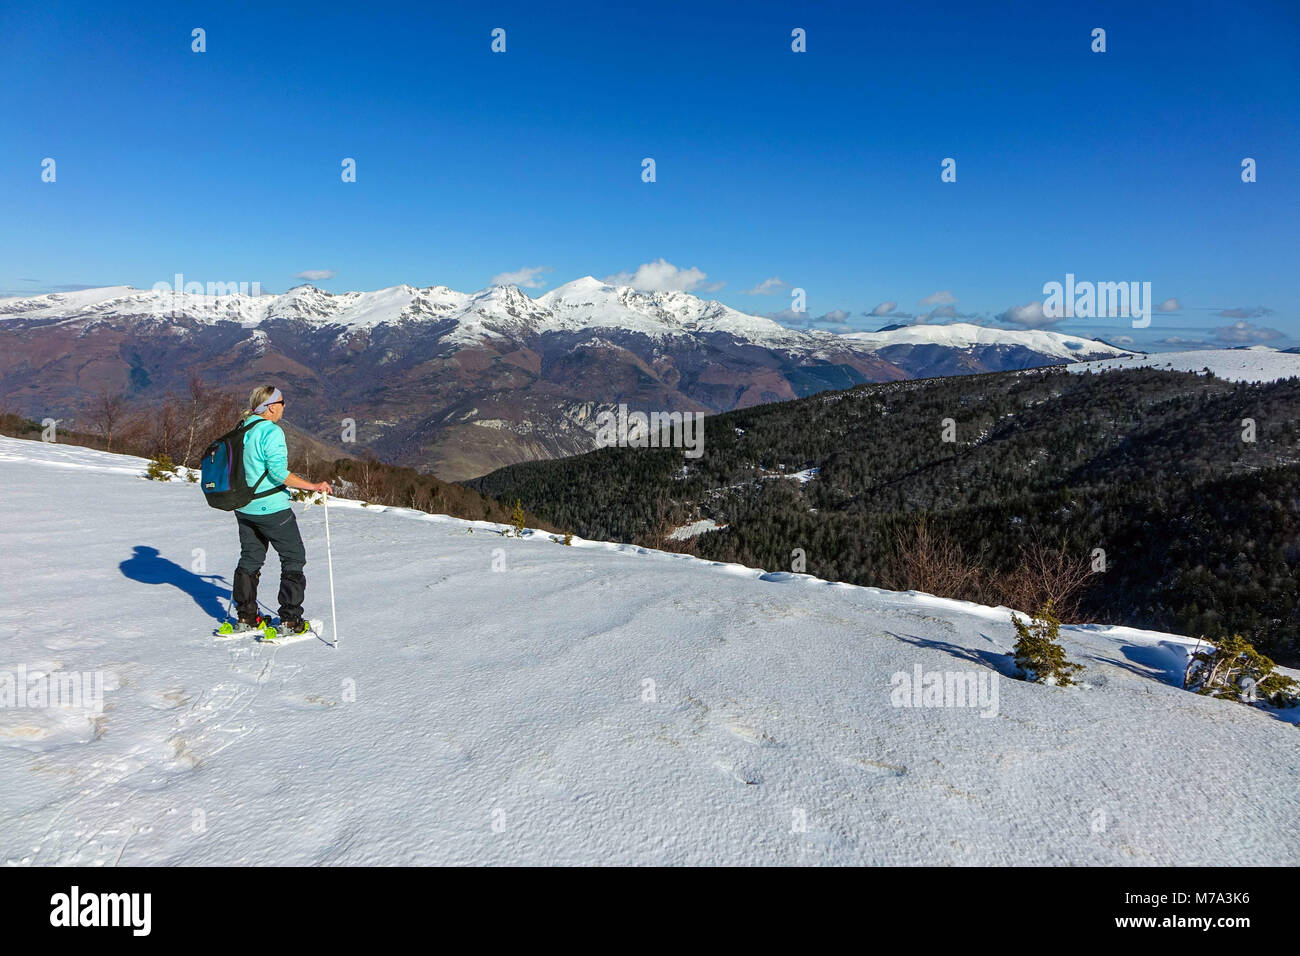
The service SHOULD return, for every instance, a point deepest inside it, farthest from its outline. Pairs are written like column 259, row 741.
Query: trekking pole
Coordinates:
column 329, row 557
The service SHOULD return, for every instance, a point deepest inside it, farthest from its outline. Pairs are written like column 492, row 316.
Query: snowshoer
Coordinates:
column 269, row 519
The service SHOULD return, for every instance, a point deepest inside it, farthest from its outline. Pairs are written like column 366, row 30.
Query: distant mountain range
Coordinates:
column 462, row 383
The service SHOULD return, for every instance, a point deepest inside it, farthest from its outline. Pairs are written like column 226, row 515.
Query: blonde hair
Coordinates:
column 259, row 395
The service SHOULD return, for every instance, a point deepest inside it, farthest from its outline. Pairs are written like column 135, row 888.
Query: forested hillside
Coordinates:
column 1147, row 476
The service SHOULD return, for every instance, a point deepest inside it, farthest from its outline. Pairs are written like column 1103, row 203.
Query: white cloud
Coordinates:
column 1030, row 315
column 1169, row 305
column 662, row 276
column 945, row 312
column 767, row 287
column 316, row 275
column 939, row 298
column 1245, row 333
column 1253, row 312
column 835, row 315
column 884, row 308
column 528, row 277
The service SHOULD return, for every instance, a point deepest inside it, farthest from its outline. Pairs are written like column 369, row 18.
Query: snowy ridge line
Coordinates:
column 1233, row 365
column 506, row 311
column 13, row 450
column 966, row 335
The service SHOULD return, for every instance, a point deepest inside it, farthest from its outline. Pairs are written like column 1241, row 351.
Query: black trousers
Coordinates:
column 280, row 531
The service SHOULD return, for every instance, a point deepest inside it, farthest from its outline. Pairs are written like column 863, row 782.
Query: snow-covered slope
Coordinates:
column 1236, row 365
column 597, row 703
column 63, row 303
column 588, row 302
column 964, row 335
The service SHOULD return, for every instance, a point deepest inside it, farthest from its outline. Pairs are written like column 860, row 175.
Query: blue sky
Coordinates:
column 820, row 169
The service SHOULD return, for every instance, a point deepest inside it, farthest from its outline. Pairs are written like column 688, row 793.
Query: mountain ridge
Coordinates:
column 676, row 310
column 462, row 383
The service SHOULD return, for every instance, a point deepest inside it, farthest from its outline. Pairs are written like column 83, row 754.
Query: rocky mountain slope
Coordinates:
column 460, row 384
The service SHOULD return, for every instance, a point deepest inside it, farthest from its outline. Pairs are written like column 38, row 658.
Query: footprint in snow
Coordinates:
column 873, row 766
column 308, row 701
column 749, row 733
column 49, row 727
column 71, row 643
column 166, row 700
column 738, row 774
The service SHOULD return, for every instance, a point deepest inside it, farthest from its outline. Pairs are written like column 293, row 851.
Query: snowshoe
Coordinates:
column 242, row 627
column 289, row 632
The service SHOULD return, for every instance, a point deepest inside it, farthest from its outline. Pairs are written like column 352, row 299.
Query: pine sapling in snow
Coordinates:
column 1232, row 669
column 1038, row 651
column 161, row 468
column 517, row 518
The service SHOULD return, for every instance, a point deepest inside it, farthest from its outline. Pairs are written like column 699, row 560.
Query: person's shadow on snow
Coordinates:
column 147, row 566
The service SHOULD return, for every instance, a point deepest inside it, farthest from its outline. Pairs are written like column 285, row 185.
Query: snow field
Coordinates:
column 600, row 703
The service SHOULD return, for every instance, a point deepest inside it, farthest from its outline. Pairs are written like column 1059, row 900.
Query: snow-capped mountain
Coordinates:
column 462, row 383
column 965, row 336
column 505, row 311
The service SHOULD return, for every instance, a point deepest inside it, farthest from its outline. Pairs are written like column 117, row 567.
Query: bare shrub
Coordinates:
column 106, row 415
column 922, row 557
column 1045, row 575
column 195, row 413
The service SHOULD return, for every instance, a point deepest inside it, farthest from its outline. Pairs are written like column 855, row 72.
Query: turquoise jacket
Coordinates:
column 265, row 451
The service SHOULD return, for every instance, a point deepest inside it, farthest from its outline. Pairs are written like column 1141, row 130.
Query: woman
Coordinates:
column 268, row 518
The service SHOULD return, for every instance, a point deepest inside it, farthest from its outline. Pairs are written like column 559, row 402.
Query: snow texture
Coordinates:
column 506, row 717
column 1235, row 365
column 965, row 335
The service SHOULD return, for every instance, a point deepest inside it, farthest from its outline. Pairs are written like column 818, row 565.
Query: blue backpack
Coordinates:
column 225, row 486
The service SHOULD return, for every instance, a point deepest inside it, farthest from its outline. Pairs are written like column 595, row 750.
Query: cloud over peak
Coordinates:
column 1245, row 333
column 767, row 287
column 529, row 277
column 939, row 298
column 1029, row 316
column 662, row 276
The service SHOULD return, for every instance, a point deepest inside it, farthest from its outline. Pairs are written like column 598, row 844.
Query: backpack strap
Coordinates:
column 269, row 491
column 265, row 472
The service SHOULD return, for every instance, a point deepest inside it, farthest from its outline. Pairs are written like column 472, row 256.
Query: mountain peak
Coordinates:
column 581, row 286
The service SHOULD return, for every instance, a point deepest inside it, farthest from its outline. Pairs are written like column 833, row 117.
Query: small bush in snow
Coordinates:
column 517, row 519
column 1038, row 652
column 161, row 468
column 1234, row 670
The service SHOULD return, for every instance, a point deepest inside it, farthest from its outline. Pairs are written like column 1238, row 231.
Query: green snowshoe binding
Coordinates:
column 286, row 630
column 244, row 626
